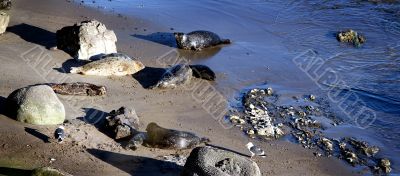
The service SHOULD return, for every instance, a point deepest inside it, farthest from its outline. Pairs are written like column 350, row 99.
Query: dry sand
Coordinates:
column 32, row 31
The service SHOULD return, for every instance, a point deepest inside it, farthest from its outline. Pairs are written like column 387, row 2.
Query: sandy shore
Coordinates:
column 32, row 31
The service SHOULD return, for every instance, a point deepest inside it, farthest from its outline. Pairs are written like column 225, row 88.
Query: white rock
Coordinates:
column 86, row 40
column 4, row 20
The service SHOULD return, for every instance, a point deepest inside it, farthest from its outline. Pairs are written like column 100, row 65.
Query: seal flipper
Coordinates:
column 75, row 70
column 225, row 41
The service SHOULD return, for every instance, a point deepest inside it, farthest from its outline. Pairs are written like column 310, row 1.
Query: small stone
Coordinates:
column 384, row 164
column 312, row 97
column 328, row 144
column 250, row 132
column 269, row 91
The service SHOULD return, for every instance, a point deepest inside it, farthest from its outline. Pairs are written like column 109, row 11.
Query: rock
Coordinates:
column 5, row 4
column 37, row 105
column 137, row 140
column 122, row 122
column 177, row 75
column 48, row 171
column 110, row 65
column 216, row 162
column 350, row 36
column 86, row 39
column 4, row 20
column 384, row 164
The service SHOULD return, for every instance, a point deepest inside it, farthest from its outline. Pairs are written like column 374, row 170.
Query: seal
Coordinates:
column 78, row 88
column 198, row 40
column 203, row 72
column 110, row 65
column 162, row 138
column 174, row 76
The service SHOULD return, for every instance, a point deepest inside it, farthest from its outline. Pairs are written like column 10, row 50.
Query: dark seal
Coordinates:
column 197, row 40
column 203, row 72
column 162, row 138
column 79, row 88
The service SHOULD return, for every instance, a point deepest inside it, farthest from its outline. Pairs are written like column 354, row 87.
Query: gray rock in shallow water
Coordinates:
column 204, row 161
column 4, row 20
column 37, row 105
column 5, row 4
column 177, row 75
column 86, row 40
column 47, row 171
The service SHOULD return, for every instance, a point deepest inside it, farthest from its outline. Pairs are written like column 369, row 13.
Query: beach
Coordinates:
column 26, row 59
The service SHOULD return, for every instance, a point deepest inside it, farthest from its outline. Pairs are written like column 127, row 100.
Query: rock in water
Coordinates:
column 110, row 66
column 48, row 171
column 79, row 88
column 86, row 39
column 37, row 105
column 163, row 138
column 202, row 72
column 174, row 76
column 5, row 4
column 216, row 162
column 4, row 20
column 197, row 40
column 350, row 36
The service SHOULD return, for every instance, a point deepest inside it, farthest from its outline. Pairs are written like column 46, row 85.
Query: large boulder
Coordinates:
column 48, row 171
column 5, row 4
column 37, row 105
column 204, row 161
column 87, row 40
column 4, row 20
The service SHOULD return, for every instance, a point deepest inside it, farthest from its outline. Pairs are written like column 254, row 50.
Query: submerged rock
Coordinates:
column 5, row 4
column 350, row 36
column 86, row 39
column 177, row 75
column 123, row 122
column 4, row 20
column 159, row 137
column 79, row 88
column 110, row 66
column 48, row 171
column 216, row 162
column 37, row 105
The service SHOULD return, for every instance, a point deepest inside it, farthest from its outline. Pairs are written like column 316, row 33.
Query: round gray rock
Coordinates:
column 206, row 161
column 37, row 105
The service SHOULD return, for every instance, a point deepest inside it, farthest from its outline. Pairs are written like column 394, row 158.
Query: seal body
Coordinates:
column 79, row 88
column 160, row 137
column 110, row 66
column 203, row 72
column 174, row 76
column 197, row 40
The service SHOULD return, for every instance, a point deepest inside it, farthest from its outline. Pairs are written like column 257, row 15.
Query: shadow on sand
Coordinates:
column 136, row 165
column 34, row 34
column 149, row 76
column 163, row 38
column 66, row 66
column 37, row 134
column 14, row 172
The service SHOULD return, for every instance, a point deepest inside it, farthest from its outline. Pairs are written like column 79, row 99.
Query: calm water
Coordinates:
column 268, row 35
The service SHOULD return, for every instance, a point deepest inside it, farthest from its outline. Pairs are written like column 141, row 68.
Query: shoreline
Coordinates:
column 171, row 109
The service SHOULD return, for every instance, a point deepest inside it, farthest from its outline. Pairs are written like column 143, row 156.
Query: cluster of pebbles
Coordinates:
column 262, row 118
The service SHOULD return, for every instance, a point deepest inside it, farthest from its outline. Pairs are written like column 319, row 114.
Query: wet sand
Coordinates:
column 32, row 31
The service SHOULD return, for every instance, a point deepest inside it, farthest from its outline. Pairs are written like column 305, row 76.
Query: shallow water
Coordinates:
column 270, row 37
